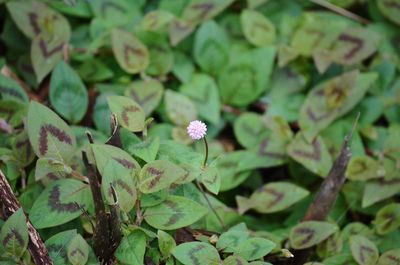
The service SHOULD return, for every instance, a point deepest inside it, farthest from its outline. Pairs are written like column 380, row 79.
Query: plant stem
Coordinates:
column 206, row 152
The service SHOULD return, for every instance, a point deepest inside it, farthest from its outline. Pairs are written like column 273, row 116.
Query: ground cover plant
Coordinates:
column 200, row 132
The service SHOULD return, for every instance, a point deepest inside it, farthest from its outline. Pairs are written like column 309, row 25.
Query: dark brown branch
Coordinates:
column 328, row 191
column 36, row 246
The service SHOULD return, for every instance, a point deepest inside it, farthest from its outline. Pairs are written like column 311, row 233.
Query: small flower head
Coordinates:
column 197, row 130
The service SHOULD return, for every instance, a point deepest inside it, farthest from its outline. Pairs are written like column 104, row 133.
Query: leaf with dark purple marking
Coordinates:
column 378, row 190
column 147, row 93
column 254, row 248
column 196, row 253
column 146, row 149
column 165, row 243
column 211, row 179
column 179, row 108
column 78, row 250
column 363, row 250
column 391, row 257
column 22, row 148
column 354, row 45
column 390, row 9
column 228, row 168
column 158, row 175
column 203, row 91
column 14, row 235
column 57, row 246
column 309, row 233
column 173, row 213
column 130, row 53
column 234, row 260
column 178, row 30
column 230, row 240
column 387, row 219
column 249, row 129
column 62, row 201
column 257, row 29
column 9, row 89
column 156, row 20
column 68, row 94
column 49, row 168
column 272, row 197
column 332, row 99
column 49, row 135
column 118, row 170
column 314, row 155
column 129, row 114
column 202, row 10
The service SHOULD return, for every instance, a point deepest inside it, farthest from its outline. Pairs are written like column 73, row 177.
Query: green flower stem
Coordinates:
column 206, row 152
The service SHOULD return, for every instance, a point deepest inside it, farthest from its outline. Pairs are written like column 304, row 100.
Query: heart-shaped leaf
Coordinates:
column 173, row 213
column 57, row 246
column 202, row 10
column 389, row 257
column 211, row 179
column 14, row 235
column 158, row 175
column 228, row 169
column 180, row 109
column 390, row 9
column 229, row 241
column 132, row 248
column 67, row 93
column 388, row 218
column 60, row 202
column 49, row 135
column 272, row 197
column 78, row 250
column 11, row 90
column 146, row 93
column 194, row 253
column 254, row 248
column 379, row 190
column 257, row 29
column 309, row 233
column 129, row 114
column 131, row 54
column 211, row 47
column 203, row 91
column 314, row 156
column 363, row 250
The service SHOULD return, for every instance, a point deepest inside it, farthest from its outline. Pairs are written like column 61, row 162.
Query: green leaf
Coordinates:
column 179, row 29
column 254, row 248
column 78, row 250
column 211, row 46
column 165, row 243
column 158, row 175
column 228, row 169
column 14, row 235
column 194, row 253
column 179, row 154
column 22, row 148
column 57, row 246
column 309, row 233
column 11, row 90
column 211, row 179
column 363, row 250
column 62, row 201
column 118, row 170
column 147, row 93
column 389, row 257
column 131, row 54
column 146, row 150
column 51, row 169
column 245, row 77
column 390, row 9
column 379, row 190
column 202, row 10
column 229, row 241
column 312, row 155
column 234, row 260
column 129, row 114
column 173, row 213
column 132, row 248
column 387, row 218
column 95, row 70
column 332, row 99
column 272, row 197
column 179, row 108
column 67, row 93
column 49, row 135
column 156, row 20
column 249, row 129
column 203, row 91
column 257, row 29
